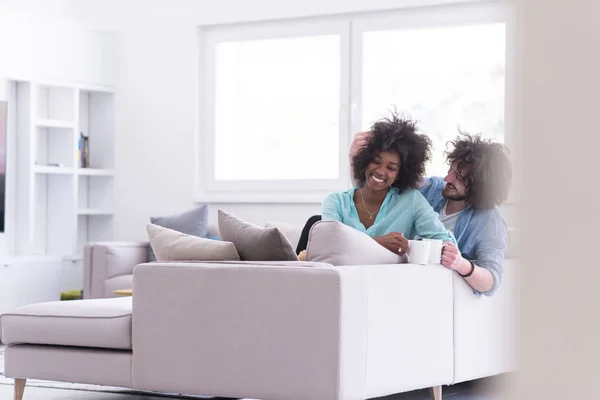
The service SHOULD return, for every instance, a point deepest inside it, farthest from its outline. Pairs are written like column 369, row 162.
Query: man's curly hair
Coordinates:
column 395, row 135
column 483, row 167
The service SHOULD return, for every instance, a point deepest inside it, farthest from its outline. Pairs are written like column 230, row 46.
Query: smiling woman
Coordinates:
column 385, row 203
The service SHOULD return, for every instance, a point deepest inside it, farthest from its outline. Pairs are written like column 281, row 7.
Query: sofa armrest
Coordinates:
column 410, row 320
column 485, row 327
column 287, row 332
column 106, row 261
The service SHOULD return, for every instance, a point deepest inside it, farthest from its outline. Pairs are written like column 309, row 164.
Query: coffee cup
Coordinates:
column 418, row 251
column 435, row 250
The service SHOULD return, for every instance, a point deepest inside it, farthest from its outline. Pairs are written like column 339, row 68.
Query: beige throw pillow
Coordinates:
column 338, row 244
column 254, row 243
column 171, row 245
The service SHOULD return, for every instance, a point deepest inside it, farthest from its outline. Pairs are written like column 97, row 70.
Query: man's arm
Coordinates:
column 490, row 251
column 482, row 279
column 489, row 254
column 361, row 139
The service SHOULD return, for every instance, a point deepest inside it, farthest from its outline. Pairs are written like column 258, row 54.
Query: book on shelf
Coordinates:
column 84, row 150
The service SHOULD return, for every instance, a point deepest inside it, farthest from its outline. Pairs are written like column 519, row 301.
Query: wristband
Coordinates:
column 470, row 273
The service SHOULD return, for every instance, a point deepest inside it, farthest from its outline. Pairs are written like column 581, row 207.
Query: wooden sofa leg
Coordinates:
column 19, row 388
column 435, row 393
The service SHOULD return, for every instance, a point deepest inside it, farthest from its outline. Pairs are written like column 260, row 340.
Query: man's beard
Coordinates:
column 453, row 197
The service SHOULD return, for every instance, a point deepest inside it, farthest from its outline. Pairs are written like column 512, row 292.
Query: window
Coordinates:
column 280, row 102
column 275, row 100
column 445, row 78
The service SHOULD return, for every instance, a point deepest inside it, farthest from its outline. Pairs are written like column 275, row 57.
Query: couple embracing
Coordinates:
column 393, row 202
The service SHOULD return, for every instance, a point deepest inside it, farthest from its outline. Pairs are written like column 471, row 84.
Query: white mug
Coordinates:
column 435, row 250
column 418, row 251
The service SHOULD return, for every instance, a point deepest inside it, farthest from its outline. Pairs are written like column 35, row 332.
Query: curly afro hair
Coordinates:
column 483, row 167
column 396, row 135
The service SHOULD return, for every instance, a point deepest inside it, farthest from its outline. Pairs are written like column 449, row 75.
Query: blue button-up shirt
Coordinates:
column 482, row 235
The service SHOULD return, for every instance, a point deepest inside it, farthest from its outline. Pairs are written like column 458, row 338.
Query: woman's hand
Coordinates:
column 360, row 140
column 302, row 255
column 394, row 242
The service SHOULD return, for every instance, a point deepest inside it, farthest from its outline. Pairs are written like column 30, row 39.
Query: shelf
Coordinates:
column 95, row 172
column 94, row 211
column 66, row 206
column 44, row 169
column 53, row 123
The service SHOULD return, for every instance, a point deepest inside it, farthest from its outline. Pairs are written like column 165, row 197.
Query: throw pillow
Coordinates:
column 338, row 244
column 291, row 231
column 170, row 245
column 193, row 222
column 254, row 243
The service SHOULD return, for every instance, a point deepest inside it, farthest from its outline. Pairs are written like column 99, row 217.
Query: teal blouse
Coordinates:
column 407, row 212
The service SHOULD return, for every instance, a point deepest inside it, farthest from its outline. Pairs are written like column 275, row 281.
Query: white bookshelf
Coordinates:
column 64, row 206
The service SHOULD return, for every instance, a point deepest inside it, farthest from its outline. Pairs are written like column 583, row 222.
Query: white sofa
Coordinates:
column 271, row 331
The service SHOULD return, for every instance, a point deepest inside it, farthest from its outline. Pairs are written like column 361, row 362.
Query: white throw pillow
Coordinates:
column 338, row 244
column 171, row 245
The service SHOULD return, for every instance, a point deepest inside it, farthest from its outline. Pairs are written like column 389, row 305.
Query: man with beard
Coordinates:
column 467, row 201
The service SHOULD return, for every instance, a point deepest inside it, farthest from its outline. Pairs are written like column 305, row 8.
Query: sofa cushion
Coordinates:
column 170, row 245
column 254, row 243
column 338, row 244
column 104, row 323
column 193, row 222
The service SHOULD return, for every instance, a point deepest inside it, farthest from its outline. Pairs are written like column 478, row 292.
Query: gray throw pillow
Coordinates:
column 193, row 222
column 254, row 243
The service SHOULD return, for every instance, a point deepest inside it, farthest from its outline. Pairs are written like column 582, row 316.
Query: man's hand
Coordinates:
column 451, row 258
column 360, row 140
column 394, row 242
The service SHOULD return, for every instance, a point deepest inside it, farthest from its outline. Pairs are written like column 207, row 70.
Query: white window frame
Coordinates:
column 350, row 28
column 276, row 191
